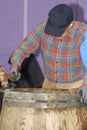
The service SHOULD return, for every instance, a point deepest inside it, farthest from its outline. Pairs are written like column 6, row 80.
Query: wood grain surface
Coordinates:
column 30, row 118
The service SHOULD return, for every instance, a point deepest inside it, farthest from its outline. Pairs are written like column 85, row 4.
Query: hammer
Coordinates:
column 4, row 77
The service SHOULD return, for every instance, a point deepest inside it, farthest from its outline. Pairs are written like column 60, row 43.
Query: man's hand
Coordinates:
column 83, row 91
column 17, row 74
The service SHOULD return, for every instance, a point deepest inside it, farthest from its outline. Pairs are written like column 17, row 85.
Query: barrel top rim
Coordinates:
column 37, row 90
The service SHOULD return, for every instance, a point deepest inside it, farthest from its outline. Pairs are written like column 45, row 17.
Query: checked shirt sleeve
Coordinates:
column 29, row 45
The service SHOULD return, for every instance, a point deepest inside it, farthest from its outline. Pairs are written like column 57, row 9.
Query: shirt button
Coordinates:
column 60, row 40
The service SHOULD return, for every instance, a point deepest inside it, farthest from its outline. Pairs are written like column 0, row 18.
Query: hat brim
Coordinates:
column 53, row 30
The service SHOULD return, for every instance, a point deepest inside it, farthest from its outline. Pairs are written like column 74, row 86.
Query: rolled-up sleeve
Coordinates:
column 29, row 45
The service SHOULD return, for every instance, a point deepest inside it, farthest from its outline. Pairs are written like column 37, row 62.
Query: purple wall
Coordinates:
column 11, row 28
column 12, row 18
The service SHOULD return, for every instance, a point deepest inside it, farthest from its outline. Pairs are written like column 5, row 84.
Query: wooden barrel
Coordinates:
column 39, row 109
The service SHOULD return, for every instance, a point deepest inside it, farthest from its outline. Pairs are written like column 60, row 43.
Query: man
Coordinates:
column 60, row 38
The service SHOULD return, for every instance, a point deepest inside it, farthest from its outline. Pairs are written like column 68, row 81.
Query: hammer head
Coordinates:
column 3, row 80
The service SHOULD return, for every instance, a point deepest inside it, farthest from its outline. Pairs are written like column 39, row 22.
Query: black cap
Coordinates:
column 59, row 18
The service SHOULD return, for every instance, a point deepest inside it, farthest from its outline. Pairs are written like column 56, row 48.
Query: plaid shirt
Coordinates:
column 61, row 56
